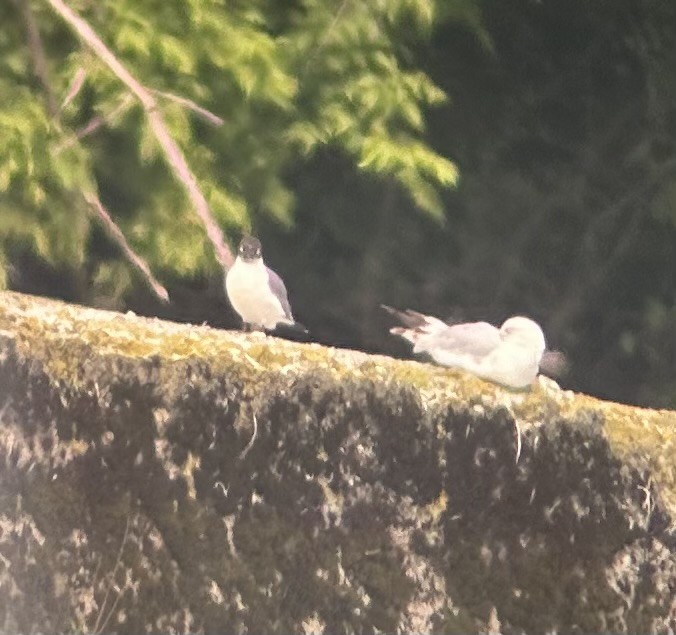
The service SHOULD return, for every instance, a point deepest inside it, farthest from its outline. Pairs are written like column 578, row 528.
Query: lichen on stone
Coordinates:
column 157, row 477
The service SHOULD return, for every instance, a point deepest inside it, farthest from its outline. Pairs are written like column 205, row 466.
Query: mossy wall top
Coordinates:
column 166, row 477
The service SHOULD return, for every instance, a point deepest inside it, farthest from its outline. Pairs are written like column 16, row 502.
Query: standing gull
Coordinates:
column 509, row 355
column 255, row 291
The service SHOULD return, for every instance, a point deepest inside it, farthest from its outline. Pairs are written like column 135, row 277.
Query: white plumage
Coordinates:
column 255, row 291
column 248, row 288
column 509, row 355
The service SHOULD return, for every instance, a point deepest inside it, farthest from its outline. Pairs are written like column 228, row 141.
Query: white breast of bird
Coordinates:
column 249, row 292
column 511, row 364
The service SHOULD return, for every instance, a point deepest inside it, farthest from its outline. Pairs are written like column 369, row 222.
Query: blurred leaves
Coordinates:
column 37, row 201
column 287, row 79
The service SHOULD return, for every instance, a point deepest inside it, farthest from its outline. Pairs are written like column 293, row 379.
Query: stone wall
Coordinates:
column 157, row 477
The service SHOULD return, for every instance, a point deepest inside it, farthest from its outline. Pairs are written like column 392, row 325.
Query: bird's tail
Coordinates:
column 415, row 325
column 292, row 330
column 410, row 319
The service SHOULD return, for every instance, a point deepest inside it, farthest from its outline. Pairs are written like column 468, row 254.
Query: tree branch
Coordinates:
column 207, row 115
column 117, row 236
column 76, row 85
column 111, row 582
column 39, row 62
column 93, row 125
column 37, row 55
column 172, row 152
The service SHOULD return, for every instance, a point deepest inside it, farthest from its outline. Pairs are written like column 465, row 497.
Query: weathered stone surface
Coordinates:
column 157, row 477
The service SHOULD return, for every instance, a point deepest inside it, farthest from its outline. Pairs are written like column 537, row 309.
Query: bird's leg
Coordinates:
column 247, row 327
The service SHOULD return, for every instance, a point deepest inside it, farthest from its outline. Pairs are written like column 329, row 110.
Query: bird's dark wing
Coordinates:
column 410, row 319
column 277, row 287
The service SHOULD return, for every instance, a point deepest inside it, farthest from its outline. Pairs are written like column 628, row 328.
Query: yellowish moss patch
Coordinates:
column 65, row 338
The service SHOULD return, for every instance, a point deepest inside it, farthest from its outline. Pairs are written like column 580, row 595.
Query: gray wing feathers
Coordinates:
column 430, row 335
column 279, row 290
column 475, row 338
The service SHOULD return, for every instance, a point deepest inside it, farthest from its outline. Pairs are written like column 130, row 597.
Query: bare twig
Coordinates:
column 116, row 235
column 111, row 580
column 327, row 34
column 172, row 152
column 75, row 86
column 37, row 54
column 116, row 601
column 249, row 445
column 97, row 122
column 517, row 427
column 191, row 105
column 648, row 503
column 94, row 124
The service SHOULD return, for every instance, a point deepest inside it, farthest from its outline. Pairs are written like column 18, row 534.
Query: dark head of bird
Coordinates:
column 249, row 249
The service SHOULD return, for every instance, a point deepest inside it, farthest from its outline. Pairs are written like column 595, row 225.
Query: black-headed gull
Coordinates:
column 255, row 291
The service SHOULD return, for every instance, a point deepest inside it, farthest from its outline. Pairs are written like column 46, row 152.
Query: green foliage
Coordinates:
column 38, row 181
column 288, row 79
column 358, row 94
